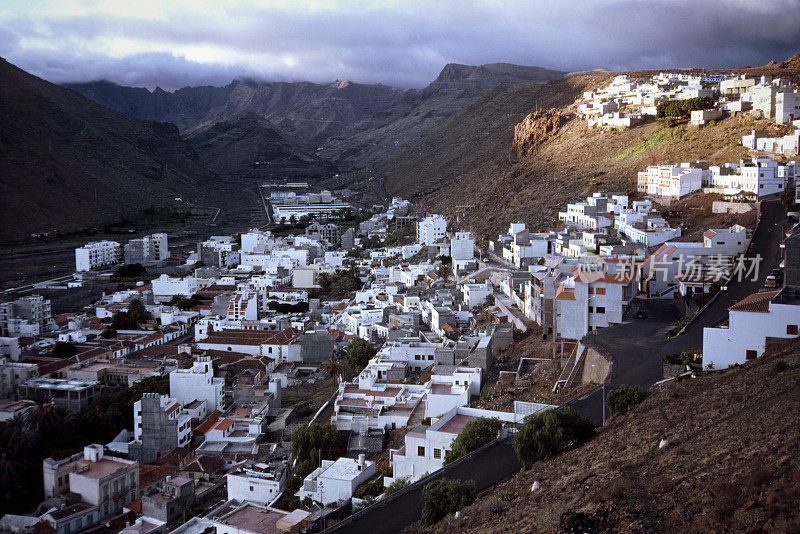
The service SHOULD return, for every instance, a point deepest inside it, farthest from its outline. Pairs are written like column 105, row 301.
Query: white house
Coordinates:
column 462, row 250
column 258, row 483
column 476, row 294
column 424, row 451
column 431, row 229
column 336, row 481
column 197, row 383
column 590, row 300
column 751, row 322
column 166, row 287
column 671, row 180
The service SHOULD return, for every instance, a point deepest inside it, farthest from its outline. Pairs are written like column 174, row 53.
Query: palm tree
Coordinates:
column 335, row 367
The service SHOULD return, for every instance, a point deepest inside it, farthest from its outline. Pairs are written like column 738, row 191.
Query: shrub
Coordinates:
column 496, row 506
column 548, row 432
column 397, row 485
column 682, row 108
column 622, row 398
column 779, row 366
column 444, row 497
column 311, row 442
column 475, row 435
column 359, row 352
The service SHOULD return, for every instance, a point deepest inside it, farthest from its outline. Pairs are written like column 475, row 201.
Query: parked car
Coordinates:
column 641, row 314
column 778, row 274
column 770, row 281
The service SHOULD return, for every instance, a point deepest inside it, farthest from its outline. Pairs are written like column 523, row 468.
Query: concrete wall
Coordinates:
column 720, row 206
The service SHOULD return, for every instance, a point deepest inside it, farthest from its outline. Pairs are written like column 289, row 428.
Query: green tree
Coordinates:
column 183, row 302
column 359, row 353
column 622, row 398
column 475, row 435
column 397, row 485
column 131, row 319
column 548, row 432
column 444, row 497
column 311, row 442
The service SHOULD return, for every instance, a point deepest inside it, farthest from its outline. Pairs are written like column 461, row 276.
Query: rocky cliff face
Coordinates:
column 535, row 129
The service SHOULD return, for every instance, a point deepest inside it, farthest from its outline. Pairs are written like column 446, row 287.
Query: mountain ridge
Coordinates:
column 68, row 162
column 348, row 123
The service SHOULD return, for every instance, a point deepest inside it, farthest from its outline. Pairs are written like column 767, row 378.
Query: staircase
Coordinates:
column 573, row 368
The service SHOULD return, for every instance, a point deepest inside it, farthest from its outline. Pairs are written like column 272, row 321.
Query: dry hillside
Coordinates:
column 731, row 464
column 519, row 152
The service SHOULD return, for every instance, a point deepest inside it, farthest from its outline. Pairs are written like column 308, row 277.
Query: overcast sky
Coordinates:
column 173, row 43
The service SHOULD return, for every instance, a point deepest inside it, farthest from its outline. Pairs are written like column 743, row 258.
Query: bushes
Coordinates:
column 475, row 435
column 622, row 398
column 315, row 440
column 548, row 432
column 682, row 109
column 444, row 497
column 779, row 366
column 500, row 502
column 359, row 352
column 397, row 485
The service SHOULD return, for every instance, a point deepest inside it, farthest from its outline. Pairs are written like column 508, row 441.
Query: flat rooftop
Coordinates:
column 255, row 519
column 456, row 424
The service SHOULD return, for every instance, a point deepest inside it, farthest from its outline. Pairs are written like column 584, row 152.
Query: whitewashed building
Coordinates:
column 751, row 323
column 197, row 383
column 336, row 481
column 96, row 255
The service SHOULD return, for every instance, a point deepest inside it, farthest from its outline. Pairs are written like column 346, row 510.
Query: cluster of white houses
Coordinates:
column 626, row 102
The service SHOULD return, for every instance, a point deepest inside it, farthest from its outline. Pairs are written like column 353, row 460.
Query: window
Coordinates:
column 437, row 453
column 591, row 309
column 601, row 309
column 751, row 355
column 791, row 329
column 420, row 451
column 601, row 291
column 251, row 488
column 591, row 291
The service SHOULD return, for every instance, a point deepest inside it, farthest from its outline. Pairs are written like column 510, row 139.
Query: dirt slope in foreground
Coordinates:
column 731, row 465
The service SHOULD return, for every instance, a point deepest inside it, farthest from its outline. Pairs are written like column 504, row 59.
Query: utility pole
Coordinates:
column 604, row 403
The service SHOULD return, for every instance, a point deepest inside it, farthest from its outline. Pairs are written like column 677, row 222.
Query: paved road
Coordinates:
column 486, row 468
column 637, row 346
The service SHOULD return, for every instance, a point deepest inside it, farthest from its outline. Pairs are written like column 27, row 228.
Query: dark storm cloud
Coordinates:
column 403, row 44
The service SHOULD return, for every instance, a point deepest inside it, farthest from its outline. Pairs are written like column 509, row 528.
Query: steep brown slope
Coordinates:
column 472, row 158
column 247, row 145
column 731, row 465
column 67, row 162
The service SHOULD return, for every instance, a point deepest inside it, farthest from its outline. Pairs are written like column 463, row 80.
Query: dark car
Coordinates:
column 778, row 274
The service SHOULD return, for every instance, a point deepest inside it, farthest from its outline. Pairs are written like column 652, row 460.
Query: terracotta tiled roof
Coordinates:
column 150, row 474
column 204, row 464
column 757, row 302
column 709, row 234
column 208, row 422
column 175, row 456
column 565, row 293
